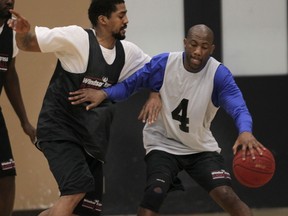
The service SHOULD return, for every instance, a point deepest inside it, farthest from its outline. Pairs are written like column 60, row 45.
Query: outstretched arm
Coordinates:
column 228, row 96
column 118, row 92
column 150, row 76
column 148, row 113
column 25, row 39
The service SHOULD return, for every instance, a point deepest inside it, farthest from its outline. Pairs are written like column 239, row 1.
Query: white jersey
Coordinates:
column 187, row 112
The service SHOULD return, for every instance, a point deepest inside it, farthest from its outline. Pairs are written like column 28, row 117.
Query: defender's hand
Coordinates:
column 95, row 97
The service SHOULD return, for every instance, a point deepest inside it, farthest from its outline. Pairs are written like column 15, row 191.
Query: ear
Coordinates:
column 185, row 41
column 212, row 49
column 102, row 19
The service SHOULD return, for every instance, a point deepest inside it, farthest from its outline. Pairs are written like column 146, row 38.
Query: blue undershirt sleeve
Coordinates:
column 150, row 76
column 226, row 94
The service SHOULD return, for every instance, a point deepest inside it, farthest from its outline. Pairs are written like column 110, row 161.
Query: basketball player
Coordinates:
column 193, row 86
column 74, row 140
column 9, row 80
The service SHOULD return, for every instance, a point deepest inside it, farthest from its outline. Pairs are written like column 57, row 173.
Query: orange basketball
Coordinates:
column 254, row 173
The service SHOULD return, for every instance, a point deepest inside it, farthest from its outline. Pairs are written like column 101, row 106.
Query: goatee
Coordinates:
column 119, row 36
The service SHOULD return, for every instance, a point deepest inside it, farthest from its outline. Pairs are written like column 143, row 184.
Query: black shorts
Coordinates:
column 206, row 168
column 76, row 172
column 7, row 163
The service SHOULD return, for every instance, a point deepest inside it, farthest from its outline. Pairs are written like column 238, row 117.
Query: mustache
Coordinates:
column 124, row 27
column 10, row 5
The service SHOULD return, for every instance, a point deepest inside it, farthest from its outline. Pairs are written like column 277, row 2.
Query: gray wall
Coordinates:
column 255, row 36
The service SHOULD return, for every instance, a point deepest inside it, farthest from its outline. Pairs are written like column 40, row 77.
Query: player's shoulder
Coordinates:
column 66, row 30
column 130, row 46
column 74, row 30
column 223, row 70
column 172, row 57
column 162, row 56
column 223, row 75
column 132, row 51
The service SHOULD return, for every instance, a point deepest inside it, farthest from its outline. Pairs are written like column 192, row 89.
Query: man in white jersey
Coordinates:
column 75, row 140
column 9, row 81
column 193, row 86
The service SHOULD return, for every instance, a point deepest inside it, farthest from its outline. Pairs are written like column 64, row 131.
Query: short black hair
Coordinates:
column 102, row 7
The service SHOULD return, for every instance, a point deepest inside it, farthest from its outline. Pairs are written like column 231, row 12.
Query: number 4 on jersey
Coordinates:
column 180, row 114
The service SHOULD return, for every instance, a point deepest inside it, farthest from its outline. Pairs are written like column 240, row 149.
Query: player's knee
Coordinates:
column 153, row 197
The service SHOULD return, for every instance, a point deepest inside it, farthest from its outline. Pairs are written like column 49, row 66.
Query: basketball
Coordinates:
column 254, row 173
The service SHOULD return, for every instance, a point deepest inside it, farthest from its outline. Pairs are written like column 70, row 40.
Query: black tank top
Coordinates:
column 59, row 120
column 6, row 52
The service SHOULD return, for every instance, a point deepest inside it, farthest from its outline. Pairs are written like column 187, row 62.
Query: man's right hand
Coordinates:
column 93, row 96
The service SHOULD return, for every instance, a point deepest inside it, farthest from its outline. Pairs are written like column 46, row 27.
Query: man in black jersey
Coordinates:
column 9, row 80
column 73, row 139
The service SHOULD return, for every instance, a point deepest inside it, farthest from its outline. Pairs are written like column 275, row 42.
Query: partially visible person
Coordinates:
column 75, row 140
column 9, row 80
column 193, row 86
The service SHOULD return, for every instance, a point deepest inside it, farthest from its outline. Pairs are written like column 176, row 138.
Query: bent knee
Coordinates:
column 153, row 198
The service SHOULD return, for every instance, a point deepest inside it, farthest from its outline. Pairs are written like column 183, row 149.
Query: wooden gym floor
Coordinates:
column 256, row 212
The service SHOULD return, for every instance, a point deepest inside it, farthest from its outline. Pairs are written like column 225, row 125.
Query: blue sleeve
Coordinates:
column 150, row 76
column 226, row 94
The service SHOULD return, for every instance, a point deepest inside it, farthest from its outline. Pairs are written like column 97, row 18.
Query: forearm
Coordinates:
column 147, row 77
column 27, row 42
column 236, row 107
column 117, row 93
column 25, row 39
column 12, row 89
column 227, row 95
column 244, row 123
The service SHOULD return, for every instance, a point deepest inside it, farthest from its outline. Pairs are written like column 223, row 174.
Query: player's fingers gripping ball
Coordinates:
column 254, row 173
